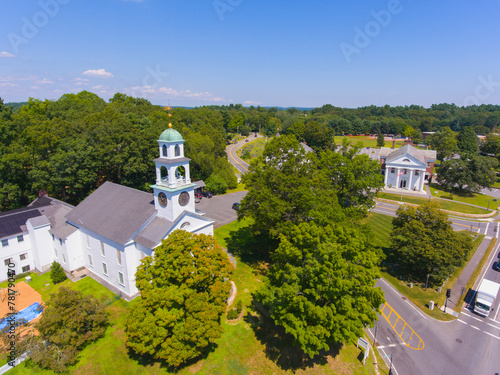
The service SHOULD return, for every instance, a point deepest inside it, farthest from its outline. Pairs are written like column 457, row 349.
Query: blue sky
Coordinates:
column 269, row 53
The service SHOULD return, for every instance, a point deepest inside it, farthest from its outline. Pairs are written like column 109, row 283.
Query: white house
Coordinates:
column 111, row 230
column 406, row 167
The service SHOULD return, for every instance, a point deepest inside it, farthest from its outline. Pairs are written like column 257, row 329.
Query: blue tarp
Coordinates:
column 29, row 313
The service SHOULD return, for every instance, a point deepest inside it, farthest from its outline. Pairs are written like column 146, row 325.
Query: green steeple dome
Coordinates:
column 171, row 135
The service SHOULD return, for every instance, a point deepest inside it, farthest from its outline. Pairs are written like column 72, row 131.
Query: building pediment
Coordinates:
column 406, row 161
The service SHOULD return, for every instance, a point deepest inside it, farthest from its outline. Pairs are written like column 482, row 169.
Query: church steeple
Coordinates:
column 173, row 190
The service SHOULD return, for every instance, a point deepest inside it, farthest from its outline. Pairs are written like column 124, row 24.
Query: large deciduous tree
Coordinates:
column 321, row 285
column 286, row 187
column 184, row 287
column 424, row 243
column 444, row 142
column 467, row 141
column 69, row 322
column 468, row 174
column 354, row 178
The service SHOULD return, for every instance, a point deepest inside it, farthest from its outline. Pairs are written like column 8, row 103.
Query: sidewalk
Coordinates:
column 458, row 291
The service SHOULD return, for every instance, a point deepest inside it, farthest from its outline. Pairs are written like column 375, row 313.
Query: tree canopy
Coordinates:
column 69, row 322
column 321, row 285
column 444, row 142
column 424, row 243
column 467, row 141
column 468, row 174
column 184, row 287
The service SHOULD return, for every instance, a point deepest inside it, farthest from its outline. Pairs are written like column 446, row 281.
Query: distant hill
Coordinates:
column 16, row 105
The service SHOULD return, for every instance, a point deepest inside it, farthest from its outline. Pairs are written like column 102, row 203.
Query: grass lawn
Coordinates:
column 367, row 141
column 476, row 199
column 250, row 345
column 381, row 227
column 252, row 149
column 444, row 204
column 240, row 187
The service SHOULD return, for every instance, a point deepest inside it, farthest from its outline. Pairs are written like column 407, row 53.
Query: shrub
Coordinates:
column 239, row 306
column 57, row 273
column 232, row 314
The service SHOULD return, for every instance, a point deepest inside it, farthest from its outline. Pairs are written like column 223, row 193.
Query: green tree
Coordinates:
column 286, row 187
column 444, row 142
column 467, row 141
column 57, row 274
column 184, row 287
column 492, row 145
column 354, row 178
column 321, row 285
column 380, row 140
column 424, row 243
column 216, row 184
column 470, row 174
column 417, row 136
column 69, row 322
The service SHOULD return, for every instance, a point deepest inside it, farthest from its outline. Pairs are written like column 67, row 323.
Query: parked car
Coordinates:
column 236, row 206
column 198, row 195
column 246, row 140
column 197, row 200
column 496, row 266
column 207, row 194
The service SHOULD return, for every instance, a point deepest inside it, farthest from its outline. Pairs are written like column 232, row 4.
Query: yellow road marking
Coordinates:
column 463, row 225
column 421, row 343
column 231, row 149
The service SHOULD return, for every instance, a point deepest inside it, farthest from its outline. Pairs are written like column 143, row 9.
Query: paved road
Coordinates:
column 487, row 227
column 233, row 157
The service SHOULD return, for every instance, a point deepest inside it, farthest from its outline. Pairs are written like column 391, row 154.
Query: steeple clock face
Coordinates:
column 162, row 199
column 184, row 198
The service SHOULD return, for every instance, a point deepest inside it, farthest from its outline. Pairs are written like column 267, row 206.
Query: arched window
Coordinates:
column 164, row 151
column 163, row 173
column 180, row 172
column 177, row 150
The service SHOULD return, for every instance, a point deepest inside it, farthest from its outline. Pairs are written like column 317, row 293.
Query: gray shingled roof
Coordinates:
column 172, row 161
column 407, row 149
column 114, row 211
column 153, row 232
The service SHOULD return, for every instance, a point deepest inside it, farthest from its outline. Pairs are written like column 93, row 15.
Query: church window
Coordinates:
column 163, row 172
column 90, row 260
column 177, row 150
column 5, row 243
column 23, row 256
column 164, row 151
column 104, row 269
column 120, row 277
column 417, row 173
column 26, row 268
column 64, row 258
column 186, row 224
column 20, row 238
column 55, row 252
column 8, row 261
column 392, row 170
column 119, row 257
column 102, row 250
column 88, row 240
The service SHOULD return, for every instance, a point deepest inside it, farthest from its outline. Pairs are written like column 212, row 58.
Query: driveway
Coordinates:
column 219, row 207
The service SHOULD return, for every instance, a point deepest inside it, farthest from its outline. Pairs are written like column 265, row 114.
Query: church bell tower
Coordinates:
column 173, row 191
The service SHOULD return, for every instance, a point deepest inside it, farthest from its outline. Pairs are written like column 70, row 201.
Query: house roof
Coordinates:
column 154, row 232
column 407, row 150
column 114, row 211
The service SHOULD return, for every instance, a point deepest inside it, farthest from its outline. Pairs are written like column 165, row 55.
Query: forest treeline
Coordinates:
column 72, row 145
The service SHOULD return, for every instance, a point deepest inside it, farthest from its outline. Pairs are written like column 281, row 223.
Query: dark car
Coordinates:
column 496, row 266
column 236, row 206
column 207, row 194
column 198, row 195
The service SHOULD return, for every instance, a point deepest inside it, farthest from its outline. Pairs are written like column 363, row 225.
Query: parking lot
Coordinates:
column 219, row 207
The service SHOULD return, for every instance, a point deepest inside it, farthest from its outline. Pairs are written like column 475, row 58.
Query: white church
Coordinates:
column 109, row 232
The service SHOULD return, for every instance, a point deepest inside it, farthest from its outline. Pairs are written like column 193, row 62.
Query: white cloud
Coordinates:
column 97, row 87
column 250, row 102
column 6, row 54
column 102, row 73
column 44, row 81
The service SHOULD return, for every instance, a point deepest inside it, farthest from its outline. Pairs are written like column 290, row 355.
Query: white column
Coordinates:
column 397, row 178
column 422, row 179
column 385, row 176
